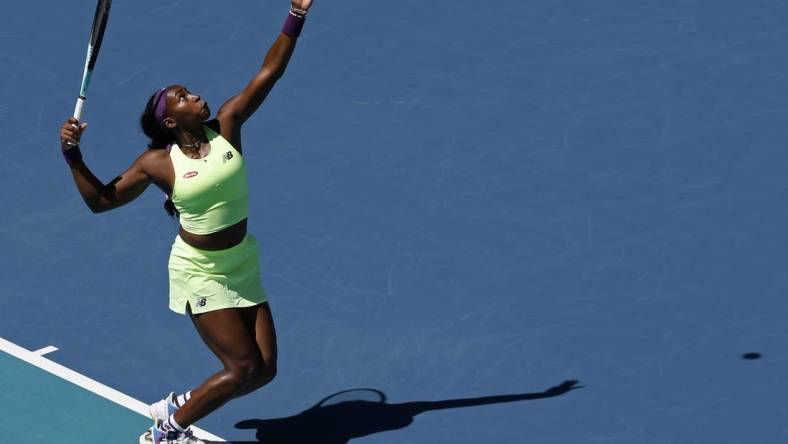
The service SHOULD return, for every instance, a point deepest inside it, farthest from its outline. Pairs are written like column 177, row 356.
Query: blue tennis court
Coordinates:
column 463, row 208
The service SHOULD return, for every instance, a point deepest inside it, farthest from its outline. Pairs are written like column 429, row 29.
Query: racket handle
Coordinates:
column 78, row 108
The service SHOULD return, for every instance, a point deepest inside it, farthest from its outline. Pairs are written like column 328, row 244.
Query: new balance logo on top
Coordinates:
column 227, row 156
column 202, row 302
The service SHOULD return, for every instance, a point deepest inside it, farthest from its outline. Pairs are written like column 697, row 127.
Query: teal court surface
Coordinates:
column 45, row 402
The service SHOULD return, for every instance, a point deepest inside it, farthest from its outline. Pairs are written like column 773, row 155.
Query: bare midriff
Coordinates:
column 221, row 240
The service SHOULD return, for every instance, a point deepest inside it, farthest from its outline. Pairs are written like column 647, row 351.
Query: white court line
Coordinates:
column 45, row 351
column 87, row 383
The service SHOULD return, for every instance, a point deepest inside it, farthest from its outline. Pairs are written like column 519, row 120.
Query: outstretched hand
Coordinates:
column 301, row 4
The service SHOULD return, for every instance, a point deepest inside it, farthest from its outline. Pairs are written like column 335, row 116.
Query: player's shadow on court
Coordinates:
column 339, row 423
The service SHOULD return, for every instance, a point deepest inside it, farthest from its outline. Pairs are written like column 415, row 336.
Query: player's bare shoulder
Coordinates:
column 156, row 163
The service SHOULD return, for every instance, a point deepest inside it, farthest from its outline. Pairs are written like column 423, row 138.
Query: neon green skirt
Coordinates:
column 213, row 280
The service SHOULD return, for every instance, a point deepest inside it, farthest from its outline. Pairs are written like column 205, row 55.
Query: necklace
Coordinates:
column 192, row 145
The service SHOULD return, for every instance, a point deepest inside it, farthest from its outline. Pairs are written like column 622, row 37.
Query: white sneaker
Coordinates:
column 155, row 435
column 162, row 410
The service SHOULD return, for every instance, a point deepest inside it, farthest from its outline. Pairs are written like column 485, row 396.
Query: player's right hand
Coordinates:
column 70, row 133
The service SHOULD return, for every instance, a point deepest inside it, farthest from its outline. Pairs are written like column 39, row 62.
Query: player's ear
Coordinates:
column 169, row 123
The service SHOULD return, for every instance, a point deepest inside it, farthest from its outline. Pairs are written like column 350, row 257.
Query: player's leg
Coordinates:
column 228, row 336
column 259, row 320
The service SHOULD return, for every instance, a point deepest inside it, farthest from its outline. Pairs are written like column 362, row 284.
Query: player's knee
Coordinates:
column 244, row 373
column 268, row 373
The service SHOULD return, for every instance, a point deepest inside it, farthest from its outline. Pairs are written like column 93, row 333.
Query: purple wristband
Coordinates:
column 73, row 156
column 293, row 25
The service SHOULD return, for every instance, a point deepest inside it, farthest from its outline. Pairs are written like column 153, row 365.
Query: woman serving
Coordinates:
column 214, row 268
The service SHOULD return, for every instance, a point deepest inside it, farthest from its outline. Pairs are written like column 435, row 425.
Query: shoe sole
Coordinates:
column 146, row 438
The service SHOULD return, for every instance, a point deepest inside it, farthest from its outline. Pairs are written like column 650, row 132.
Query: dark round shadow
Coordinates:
column 751, row 356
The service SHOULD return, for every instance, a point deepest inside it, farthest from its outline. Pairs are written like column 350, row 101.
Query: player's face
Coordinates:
column 184, row 106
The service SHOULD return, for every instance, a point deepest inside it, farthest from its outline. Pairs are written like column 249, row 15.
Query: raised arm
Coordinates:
column 240, row 107
column 98, row 196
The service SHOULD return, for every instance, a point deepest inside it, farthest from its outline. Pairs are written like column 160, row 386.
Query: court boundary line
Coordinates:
column 46, row 350
column 87, row 383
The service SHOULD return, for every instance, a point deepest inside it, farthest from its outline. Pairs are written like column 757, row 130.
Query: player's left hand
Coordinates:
column 301, row 4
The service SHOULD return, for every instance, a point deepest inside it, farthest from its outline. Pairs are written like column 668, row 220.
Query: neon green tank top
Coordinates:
column 211, row 193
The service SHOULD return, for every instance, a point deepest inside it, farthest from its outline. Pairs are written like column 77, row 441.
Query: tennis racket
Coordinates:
column 96, row 35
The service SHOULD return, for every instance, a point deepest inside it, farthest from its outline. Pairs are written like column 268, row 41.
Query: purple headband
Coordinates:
column 159, row 105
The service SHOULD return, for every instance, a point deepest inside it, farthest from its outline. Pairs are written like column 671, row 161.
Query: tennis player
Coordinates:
column 214, row 269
